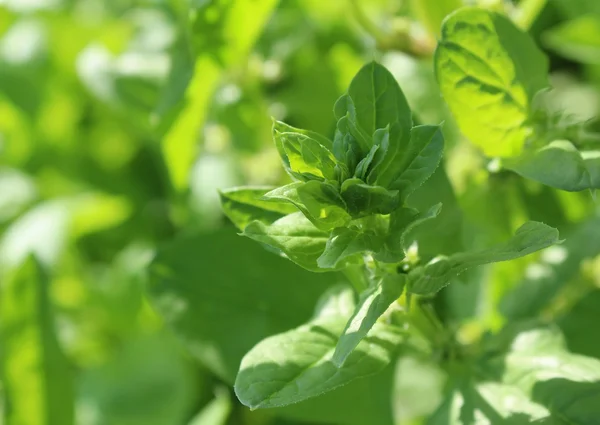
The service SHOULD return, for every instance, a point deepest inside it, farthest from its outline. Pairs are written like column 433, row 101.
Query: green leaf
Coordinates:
column 37, row 378
column 304, row 155
column 420, row 160
column 297, row 365
column 346, row 150
column 365, row 163
column 362, row 199
column 345, row 112
column 221, row 306
column 402, row 221
column 372, row 304
column 489, row 71
column 346, row 242
column 378, row 100
column 567, row 384
column 577, row 39
column 487, row 403
column 243, row 205
column 294, row 236
column 320, row 202
column 530, row 237
column 559, row 164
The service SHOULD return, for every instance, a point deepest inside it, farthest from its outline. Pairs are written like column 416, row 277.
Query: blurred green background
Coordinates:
column 120, row 119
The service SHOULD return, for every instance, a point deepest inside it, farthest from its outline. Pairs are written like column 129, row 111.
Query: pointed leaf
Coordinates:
column 402, row 221
column 303, row 154
column 243, row 205
column 530, row 237
column 394, row 141
column 378, row 100
column 362, row 199
column 421, row 159
column 489, row 71
column 320, row 202
column 345, row 242
column 294, row 236
column 296, row 365
column 372, row 304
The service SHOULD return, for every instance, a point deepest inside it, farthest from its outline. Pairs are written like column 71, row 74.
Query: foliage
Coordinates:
column 261, row 212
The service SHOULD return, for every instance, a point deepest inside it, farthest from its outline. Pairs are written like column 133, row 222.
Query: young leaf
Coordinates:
column 346, row 149
column 421, row 159
column 559, row 164
column 488, row 72
column 296, row 365
column 294, row 236
column 345, row 242
column 365, row 163
column 530, row 237
column 372, row 304
column 378, row 100
column 304, row 154
column 402, row 221
column 36, row 376
column 394, row 141
column 345, row 112
column 320, row 202
column 362, row 199
column 243, row 205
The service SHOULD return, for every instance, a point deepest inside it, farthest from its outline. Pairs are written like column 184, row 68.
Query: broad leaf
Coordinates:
column 559, row 164
column 347, row 242
column 402, row 221
column 530, row 237
column 488, row 72
column 294, row 236
column 304, row 155
column 243, row 205
column 219, row 312
column 37, row 378
column 219, row 308
column 378, row 100
column 372, row 304
column 393, row 141
column 362, row 199
column 421, row 159
column 320, row 202
column 297, row 365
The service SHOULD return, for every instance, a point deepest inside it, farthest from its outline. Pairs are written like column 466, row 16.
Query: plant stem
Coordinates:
column 527, row 12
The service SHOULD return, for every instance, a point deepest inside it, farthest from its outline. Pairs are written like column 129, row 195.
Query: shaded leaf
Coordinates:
column 292, row 235
column 371, row 305
column 243, row 205
column 402, row 221
column 559, row 164
column 362, row 199
column 296, row 365
column 320, row 202
column 347, row 242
